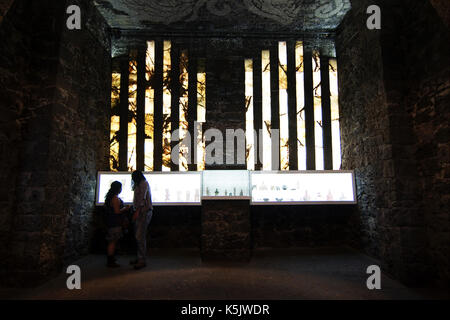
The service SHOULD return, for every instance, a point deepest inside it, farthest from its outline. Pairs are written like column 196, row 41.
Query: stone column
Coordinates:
column 226, row 230
column 225, row 223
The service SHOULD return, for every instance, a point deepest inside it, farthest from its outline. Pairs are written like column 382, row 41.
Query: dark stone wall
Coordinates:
column 443, row 9
column 382, row 77
column 81, row 126
column 226, row 230
column 4, row 7
column 55, row 93
column 301, row 226
column 428, row 105
column 175, row 227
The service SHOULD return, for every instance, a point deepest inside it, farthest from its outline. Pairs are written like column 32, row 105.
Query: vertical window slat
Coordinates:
column 266, row 110
column 301, row 123
column 149, row 106
column 250, row 154
column 183, row 109
column 201, row 113
column 334, row 102
column 115, row 122
column 283, row 105
column 317, row 93
column 166, row 106
column 132, row 110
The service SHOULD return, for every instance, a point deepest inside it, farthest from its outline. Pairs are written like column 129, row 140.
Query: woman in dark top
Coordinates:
column 114, row 220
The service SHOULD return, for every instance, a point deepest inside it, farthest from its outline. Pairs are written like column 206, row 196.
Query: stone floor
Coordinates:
column 333, row 273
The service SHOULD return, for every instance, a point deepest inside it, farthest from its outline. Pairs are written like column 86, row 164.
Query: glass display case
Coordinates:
column 262, row 187
column 174, row 188
column 303, row 187
column 226, row 184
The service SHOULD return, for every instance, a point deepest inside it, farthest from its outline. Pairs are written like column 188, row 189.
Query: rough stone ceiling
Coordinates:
column 228, row 15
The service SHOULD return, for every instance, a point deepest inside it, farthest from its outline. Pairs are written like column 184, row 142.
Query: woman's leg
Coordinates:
column 141, row 238
column 111, row 248
column 113, row 236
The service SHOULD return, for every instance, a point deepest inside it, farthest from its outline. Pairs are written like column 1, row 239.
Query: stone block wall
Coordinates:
column 392, row 81
column 4, row 7
column 428, row 105
column 301, row 226
column 226, row 230
column 56, row 88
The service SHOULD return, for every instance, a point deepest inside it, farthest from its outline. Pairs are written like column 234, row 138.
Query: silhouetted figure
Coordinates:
column 142, row 203
column 114, row 221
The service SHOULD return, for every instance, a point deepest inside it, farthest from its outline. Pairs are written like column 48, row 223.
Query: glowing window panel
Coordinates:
column 149, row 106
column 201, row 113
column 335, row 130
column 184, row 104
column 266, row 110
column 317, row 92
column 283, row 100
column 166, row 106
column 301, row 127
column 250, row 149
column 132, row 110
column 169, row 188
column 307, row 187
column 115, row 123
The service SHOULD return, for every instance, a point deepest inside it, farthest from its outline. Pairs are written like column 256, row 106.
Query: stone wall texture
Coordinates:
column 226, row 230
column 393, row 81
column 428, row 105
column 443, row 9
column 300, row 226
column 55, row 137
column 4, row 7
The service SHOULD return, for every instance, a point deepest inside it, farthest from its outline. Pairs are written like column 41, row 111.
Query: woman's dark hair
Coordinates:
column 114, row 190
column 136, row 177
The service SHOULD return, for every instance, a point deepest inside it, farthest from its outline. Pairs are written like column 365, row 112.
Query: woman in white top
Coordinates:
column 142, row 204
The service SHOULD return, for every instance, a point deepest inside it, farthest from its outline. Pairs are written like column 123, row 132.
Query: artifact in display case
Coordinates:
column 166, row 188
column 226, row 184
column 303, row 187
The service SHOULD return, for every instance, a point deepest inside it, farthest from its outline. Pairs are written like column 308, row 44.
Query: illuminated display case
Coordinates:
column 174, row 188
column 226, row 184
column 262, row 187
column 303, row 187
